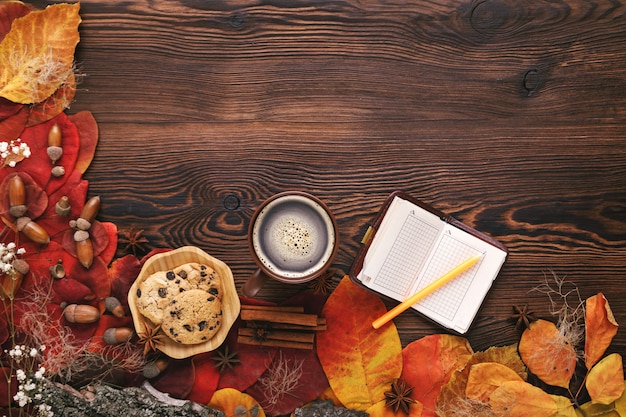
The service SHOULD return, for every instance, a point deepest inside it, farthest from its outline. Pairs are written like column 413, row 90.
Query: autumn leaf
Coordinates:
column 37, row 55
column 547, row 353
column 521, row 399
column 600, row 328
column 452, row 400
column 206, row 378
column 360, row 362
column 565, row 407
column 428, row 364
column 88, row 133
column 599, row 410
column 486, row 377
column 235, row 403
column 59, row 101
column 620, row 403
column 605, row 381
column 9, row 11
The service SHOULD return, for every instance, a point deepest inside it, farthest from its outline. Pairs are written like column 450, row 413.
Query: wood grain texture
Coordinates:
column 509, row 115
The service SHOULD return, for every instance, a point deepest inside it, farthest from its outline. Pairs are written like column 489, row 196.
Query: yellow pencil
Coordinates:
column 429, row 289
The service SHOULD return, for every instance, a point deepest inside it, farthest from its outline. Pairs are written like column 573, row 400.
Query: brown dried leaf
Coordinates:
column 547, row 353
column 600, row 328
column 37, row 55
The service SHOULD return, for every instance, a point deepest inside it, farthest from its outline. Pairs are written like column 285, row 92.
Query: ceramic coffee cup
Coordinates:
column 293, row 238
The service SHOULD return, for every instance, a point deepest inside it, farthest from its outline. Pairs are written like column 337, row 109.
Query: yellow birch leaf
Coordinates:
column 565, row 407
column 620, row 403
column 547, row 353
column 600, row 328
column 359, row 361
column 380, row 410
column 599, row 410
column 605, row 381
column 521, row 399
column 485, row 377
column 230, row 401
column 37, row 55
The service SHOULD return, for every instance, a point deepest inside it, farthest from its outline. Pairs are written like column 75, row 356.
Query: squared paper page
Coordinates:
column 400, row 248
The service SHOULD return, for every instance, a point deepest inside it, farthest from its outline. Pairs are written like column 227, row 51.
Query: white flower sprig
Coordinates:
column 30, row 380
column 8, row 253
column 14, row 151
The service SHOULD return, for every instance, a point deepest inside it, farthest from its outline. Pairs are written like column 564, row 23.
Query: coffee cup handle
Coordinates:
column 254, row 284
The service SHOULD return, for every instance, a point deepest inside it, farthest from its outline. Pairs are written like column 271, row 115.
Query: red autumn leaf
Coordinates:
column 35, row 199
column 55, row 104
column 88, row 132
column 122, row 274
column 8, row 108
column 95, row 278
column 4, row 329
column 206, row 378
column 177, row 379
column 600, row 328
column 9, row 11
column 5, row 387
column 70, row 291
column 374, row 356
column 46, row 41
column 12, row 126
column 38, row 165
column 547, row 353
column 100, row 236
column 428, row 364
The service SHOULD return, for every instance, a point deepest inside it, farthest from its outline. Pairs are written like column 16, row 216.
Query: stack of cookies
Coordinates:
column 186, row 302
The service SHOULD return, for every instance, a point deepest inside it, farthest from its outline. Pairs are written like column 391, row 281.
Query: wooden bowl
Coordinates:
column 230, row 300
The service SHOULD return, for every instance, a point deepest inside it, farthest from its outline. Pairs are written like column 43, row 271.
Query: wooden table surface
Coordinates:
column 509, row 115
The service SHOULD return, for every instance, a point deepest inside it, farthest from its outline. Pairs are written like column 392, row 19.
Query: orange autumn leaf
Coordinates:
column 547, row 353
column 605, row 382
column 564, row 406
column 428, row 364
column 521, row 399
column 235, row 403
column 37, row 55
column 359, row 362
column 600, row 328
column 58, row 102
column 452, row 401
column 486, row 377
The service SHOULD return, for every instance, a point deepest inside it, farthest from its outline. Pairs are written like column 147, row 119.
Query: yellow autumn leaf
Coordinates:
column 605, row 381
column 620, row 403
column 521, row 399
column 37, row 55
column 381, row 410
column 600, row 328
column 235, row 403
column 359, row 361
column 599, row 410
column 485, row 377
column 565, row 407
column 547, row 353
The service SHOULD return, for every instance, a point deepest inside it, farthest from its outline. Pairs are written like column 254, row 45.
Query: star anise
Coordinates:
column 134, row 240
column 262, row 330
column 399, row 398
column 151, row 338
column 322, row 284
column 522, row 316
column 225, row 359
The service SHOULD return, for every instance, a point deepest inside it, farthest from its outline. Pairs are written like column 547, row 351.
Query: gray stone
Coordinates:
column 327, row 409
column 106, row 401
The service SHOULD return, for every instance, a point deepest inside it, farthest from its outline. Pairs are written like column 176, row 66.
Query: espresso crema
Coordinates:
column 293, row 237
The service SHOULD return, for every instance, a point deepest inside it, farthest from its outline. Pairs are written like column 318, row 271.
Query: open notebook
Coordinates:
column 412, row 245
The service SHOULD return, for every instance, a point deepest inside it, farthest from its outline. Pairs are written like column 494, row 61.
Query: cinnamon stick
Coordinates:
column 292, row 309
column 281, row 335
column 275, row 343
column 273, row 316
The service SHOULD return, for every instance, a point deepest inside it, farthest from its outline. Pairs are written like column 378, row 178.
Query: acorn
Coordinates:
column 84, row 252
column 10, row 283
column 117, row 335
column 55, row 139
column 17, row 196
column 154, row 368
column 81, row 313
column 113, row 306
column 63, row 206
column 57, row 271
column 82, row 224
column 58, row 171
column 32, row 230
column 90, row 209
